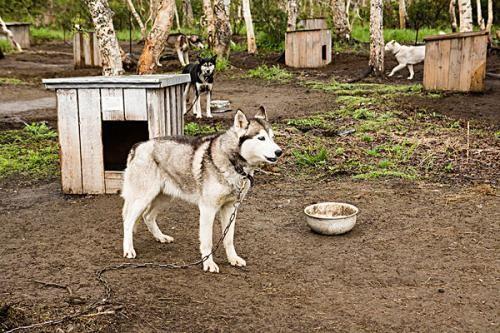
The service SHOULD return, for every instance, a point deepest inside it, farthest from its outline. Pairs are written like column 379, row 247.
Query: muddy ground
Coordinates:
column 423, row 257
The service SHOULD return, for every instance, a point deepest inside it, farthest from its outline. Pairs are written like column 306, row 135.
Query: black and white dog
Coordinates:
column 202, row 78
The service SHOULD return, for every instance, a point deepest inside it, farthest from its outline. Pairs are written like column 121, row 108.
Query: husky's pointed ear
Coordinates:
column 240, row 121
column 262, row 113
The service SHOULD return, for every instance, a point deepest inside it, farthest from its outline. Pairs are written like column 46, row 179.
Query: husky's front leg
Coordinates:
column 207, row 216
column 225, row 217
column 197, row 105
column 180, row 55
column 185, row 96
column 186, row 57
column 397, row 69
column 209, row 100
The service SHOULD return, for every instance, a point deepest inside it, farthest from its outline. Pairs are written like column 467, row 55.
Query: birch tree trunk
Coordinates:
column 402, row 14
column 10, row 36
column 489, row 24
column 465, row 11
column 341, row 26
column 453, row 15
column 155, row 42
column 188, row 18
column 376, row 37
column 292, row 10
column 137, row 18
column 102, row 16
column 176, row 13
column 209, row 22
column 480, row 20
column 222, row 33
column 247, row 15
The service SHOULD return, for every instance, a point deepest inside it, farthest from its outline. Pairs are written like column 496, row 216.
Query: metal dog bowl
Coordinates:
column 331, row 218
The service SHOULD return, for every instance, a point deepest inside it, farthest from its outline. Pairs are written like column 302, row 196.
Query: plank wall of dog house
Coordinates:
column 101, row 118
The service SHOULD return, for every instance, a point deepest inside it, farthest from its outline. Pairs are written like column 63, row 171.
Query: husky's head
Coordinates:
column 256, row 138
column 196, row 41
column 392, row 46
column 207, row 65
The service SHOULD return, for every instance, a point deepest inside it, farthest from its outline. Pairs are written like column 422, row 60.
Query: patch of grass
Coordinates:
column 32, row 151
column 46, row 34
column 366, row 138
column 306, row 124
column 124, row 35
column 363, row 113
column 5, row 46
column 222, row 64
column 365, row 89
column 238, row 47
column 273, row 73
column 403, row 36
column 497, row 135
column 311, row 157
column 385, row 174
column 11, row 81
column 197, row 129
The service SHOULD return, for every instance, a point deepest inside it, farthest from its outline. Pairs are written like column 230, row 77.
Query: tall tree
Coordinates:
column 157, row 37
column 188, row 18
column 247, row 15
column 489, row 24
column 102, row 17
column 465, row 11
column 341, row 25
column 453, row 15
column 209, row 22
column 222, row 35
column 137, row 18
column 480, row 19
column 402, row 14
column 376, row 62
column 10, row 36
column 292, row 10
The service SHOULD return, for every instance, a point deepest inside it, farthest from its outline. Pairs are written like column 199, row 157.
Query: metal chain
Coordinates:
column 107, row 289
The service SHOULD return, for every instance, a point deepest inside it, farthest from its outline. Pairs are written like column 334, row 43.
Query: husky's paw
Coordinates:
column 130, row 253
column 164, row 238
column 209, row 116
column 198, row 116
column 390, row 75
column 237, row 261
column 210, row 266
column 410, row 78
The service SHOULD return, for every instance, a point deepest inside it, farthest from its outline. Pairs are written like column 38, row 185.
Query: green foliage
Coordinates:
column 197, row 129
column 273, row 73
column 270, row 21
column 311, row 156
column 385, row 174
column 32, row 151
column 47, row 34
column 222, row 64
column 403, row 36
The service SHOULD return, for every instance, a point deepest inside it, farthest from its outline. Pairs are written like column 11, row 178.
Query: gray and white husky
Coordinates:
column 206, row 171
column 407, row 56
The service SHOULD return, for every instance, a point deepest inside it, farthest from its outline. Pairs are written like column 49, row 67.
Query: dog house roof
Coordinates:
column 129, row 81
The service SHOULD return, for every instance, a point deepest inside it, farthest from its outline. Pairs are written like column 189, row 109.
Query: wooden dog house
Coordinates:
column 86, row 50
column 455, row 62
column 20, row 32
column 308, row 48
column 101, row 118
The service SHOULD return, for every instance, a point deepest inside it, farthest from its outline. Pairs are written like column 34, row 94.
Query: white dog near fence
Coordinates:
column 407, row 56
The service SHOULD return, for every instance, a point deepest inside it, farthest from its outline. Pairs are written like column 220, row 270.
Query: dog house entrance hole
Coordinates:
column 323, row 52
column 117, row 138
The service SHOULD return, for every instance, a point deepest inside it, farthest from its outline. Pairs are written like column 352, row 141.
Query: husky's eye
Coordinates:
column 261, row 138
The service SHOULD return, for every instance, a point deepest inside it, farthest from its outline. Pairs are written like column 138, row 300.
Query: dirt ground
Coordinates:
column 423, row 257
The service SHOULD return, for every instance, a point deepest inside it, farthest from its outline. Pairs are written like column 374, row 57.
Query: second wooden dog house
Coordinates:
column 456, row 62
column 308, row 48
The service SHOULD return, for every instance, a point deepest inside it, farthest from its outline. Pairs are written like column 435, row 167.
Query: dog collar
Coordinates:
column 238, row 167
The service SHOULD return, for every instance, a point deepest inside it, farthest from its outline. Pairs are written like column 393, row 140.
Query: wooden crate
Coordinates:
column 313, row 23
column 20, row 31
column 455, row 62
column 86, row 50
column 100, row 118
column 308, row 48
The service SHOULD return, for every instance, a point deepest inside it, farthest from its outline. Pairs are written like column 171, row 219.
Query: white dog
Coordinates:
column 407, row 56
